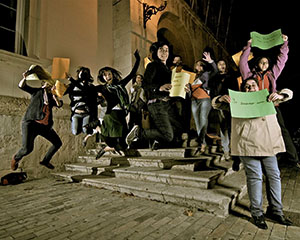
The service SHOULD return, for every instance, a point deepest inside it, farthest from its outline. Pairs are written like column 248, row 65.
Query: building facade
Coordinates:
column 91, row 33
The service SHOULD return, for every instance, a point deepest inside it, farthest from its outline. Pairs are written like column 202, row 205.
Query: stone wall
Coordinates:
column 11, row 113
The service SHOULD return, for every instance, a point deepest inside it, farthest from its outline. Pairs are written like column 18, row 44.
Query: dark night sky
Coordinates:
column 265, row 17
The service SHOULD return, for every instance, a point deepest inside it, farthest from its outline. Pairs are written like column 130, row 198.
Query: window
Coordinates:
column 12, row 25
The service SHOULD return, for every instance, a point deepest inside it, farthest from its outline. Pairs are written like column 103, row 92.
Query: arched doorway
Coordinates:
column 171, row 30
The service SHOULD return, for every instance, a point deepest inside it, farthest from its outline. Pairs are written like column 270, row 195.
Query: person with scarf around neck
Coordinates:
column 112, row 88
column 38, row 120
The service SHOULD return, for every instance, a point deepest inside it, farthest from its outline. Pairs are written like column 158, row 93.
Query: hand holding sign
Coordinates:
column 179, row 82
column 250, row 104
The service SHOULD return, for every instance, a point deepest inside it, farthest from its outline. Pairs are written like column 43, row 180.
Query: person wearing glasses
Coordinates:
column 256, row 141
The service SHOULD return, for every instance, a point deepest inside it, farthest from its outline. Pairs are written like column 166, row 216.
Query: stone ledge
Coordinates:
column 206, row 200
column 17, row 107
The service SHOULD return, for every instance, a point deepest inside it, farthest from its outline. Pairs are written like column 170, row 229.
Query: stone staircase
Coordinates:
column 180, row 176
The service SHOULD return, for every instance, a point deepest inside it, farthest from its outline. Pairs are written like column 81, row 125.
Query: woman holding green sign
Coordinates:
column 265, row 73
column 267, row 76
column 256, row 141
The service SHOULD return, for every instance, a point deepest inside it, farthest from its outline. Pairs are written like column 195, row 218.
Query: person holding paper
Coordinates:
column 267, row 76
column 256, row 141
column 38, row 121
column 201, row 102
column 182, row 104
column 266, row 73
column 157, row 84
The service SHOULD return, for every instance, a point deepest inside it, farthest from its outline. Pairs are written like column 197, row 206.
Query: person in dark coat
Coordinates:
column 157, row 84
column 112, row 88
column 38, row 120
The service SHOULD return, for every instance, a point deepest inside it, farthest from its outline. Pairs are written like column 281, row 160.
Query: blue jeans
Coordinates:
column 254, row 168
column 32, row 129
column 200, row 110
column 77, row 123
column 225, row 142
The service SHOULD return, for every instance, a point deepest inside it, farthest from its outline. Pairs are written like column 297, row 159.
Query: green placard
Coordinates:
column 266, row 41
column 250, row 104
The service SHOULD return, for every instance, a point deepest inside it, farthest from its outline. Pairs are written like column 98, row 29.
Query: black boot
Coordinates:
column 259, row 221
column 279, row 218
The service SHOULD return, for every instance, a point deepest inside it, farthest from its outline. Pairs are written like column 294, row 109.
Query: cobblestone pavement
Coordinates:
column 52, row 209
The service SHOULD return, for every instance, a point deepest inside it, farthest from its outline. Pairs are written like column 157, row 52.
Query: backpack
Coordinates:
column 13, row 178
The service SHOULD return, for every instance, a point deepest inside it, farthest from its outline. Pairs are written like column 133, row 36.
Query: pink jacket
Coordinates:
column 272, row 74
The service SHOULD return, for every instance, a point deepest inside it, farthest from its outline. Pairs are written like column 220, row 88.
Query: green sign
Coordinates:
column 250, row 104
column 266, row 41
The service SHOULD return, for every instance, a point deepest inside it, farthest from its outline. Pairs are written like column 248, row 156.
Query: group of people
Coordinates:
column 255, row 142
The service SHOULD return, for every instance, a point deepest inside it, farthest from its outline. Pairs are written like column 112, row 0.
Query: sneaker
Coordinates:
column 14, row 164
column 201, row 150
column 236, row 164
column 259, row 221
column 92, row 125
column 226, row 156
column 47, row 165
column 155, row 145
column 133, row 135
column 100, row 153
column 279, row 218
column 84, row 142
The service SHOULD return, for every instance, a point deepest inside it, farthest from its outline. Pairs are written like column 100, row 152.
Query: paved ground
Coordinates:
column 52, row 209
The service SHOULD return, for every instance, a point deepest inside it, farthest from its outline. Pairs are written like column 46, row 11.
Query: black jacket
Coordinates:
column 35, row 108
column 156, row 75
column 111, row 97
column 220, row 84
column 86, row 93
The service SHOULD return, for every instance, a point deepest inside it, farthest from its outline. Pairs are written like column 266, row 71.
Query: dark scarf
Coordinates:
column 122, row 95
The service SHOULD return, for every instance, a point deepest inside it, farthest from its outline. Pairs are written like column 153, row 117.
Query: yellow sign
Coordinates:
column 60, row 66
column 179, row 80
column 236, row 57
column 36, row 72
column 60, row 88
column 192, row 75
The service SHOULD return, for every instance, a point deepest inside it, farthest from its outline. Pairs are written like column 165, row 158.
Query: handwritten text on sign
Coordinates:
column 250, row 104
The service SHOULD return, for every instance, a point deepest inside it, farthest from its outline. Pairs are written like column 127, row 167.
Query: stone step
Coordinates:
column 235, row 182
column 92, row 169
column 77, row 171
column 146, row 152
column 69, row 176
column 78, row 176
column 184, row 163
column 209, row 200
column 105, row 160
column 200, row 179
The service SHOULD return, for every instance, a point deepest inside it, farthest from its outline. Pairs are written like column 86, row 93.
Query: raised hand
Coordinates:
column 207, row 57
column 137, row 54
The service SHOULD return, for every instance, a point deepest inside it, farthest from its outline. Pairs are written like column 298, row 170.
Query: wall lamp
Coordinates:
column 148, row 11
